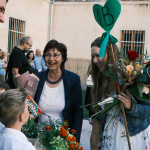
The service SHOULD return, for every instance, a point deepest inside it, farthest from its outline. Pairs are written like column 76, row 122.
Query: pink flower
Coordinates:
column 129, row 69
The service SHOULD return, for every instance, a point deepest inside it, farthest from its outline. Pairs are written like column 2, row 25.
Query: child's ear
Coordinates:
column 21, row 117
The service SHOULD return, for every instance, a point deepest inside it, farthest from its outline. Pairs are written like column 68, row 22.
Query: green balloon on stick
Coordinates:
column 106, row 16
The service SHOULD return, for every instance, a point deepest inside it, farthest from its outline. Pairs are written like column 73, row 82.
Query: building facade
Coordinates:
column 72, row 23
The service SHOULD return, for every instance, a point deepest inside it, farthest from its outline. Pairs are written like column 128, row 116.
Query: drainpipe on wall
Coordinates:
column 51, row 19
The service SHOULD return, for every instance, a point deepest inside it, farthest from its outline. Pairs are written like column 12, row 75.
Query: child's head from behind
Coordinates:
column 3, row 87
column 13, row 107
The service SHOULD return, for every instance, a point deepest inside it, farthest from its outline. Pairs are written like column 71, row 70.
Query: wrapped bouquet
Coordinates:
column 55, row 135
column 134, row 75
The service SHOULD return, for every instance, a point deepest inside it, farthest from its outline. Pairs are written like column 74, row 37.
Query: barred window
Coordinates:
column 133, row 40
column 16, row 31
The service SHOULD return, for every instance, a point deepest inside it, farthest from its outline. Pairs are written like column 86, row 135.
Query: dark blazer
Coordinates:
column 73, row 99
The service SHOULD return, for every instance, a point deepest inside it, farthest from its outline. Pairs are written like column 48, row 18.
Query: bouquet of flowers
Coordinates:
column 55, row 135
column 129, row 68
column 131, row 71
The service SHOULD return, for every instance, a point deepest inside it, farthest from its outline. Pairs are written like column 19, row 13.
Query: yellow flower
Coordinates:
column 137, row 66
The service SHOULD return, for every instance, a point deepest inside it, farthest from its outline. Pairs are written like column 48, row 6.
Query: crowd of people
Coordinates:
column 59, row 95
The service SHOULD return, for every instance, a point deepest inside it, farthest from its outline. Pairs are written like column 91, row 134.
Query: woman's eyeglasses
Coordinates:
column 55, row 56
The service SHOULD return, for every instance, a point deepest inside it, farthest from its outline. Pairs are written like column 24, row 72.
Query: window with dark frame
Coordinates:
column 133, row 40
column 16, row 31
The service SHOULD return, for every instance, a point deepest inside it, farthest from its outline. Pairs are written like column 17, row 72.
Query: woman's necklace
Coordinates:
column 55, row 82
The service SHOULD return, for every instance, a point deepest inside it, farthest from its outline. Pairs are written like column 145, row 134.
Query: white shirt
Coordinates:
column 52, row 102
column 11, row 139
column 89, row 81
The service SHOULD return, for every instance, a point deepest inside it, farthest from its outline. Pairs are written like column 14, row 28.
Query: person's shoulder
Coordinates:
column 71, row 74
column 40, row 74
column 16, row 51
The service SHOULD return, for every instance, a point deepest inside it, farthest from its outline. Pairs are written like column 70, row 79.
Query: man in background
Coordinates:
column 39, row 61
column 2, row 10
column 18, row 62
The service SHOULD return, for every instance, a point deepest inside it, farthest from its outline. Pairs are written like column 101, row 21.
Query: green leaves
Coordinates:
column 104, row 112
column 30, row 129
column 110, row 74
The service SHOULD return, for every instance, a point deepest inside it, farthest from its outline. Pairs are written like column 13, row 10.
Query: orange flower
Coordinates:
column 62, row 129
column 76, row 144
column 64, row 133
column 73, row 131
column 65, row 126
column 76, row 148
column 73, row 139
column 66, row 121
column 71, row 146
column 47, row 128
column 68, row 138
column 81, row 148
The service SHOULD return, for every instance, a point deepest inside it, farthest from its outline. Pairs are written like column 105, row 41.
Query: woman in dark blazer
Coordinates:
column 59, row 92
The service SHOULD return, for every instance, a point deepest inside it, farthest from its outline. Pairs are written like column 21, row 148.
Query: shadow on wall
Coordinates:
column 80, row 67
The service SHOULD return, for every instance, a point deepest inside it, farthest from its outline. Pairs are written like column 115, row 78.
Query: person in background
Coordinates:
column 39, row 61
column 3, row 61
column 59, row 92
column 30, row 56
column 18, row 62
column 3, row 87
column 2, row 78
column 14, row 114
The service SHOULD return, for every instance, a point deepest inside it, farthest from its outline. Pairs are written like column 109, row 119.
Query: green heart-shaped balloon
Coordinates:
column 106, row 16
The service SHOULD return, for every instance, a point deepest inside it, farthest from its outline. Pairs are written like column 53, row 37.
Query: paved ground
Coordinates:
column 85, row 134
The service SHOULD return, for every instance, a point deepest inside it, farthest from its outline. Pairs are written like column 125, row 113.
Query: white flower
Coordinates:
column 142, row 71
column 107, row 100
column 145, row 90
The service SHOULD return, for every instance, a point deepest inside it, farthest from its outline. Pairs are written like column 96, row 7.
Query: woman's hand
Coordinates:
column 126, row 100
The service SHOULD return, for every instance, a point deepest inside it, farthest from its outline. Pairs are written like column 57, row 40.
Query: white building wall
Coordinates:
column 36, row 13
column 74, row 24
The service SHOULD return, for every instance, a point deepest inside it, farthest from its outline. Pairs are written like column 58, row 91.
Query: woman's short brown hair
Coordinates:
column 53, row 44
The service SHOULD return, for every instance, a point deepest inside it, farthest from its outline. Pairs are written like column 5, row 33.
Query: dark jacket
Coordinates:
column 73, row 99
column 138, row 119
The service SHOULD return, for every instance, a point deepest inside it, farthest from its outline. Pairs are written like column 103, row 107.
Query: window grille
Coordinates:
column 16, row 31
column 133, row 40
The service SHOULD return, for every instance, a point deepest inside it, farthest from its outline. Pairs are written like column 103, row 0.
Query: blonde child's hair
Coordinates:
column 12, row 104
